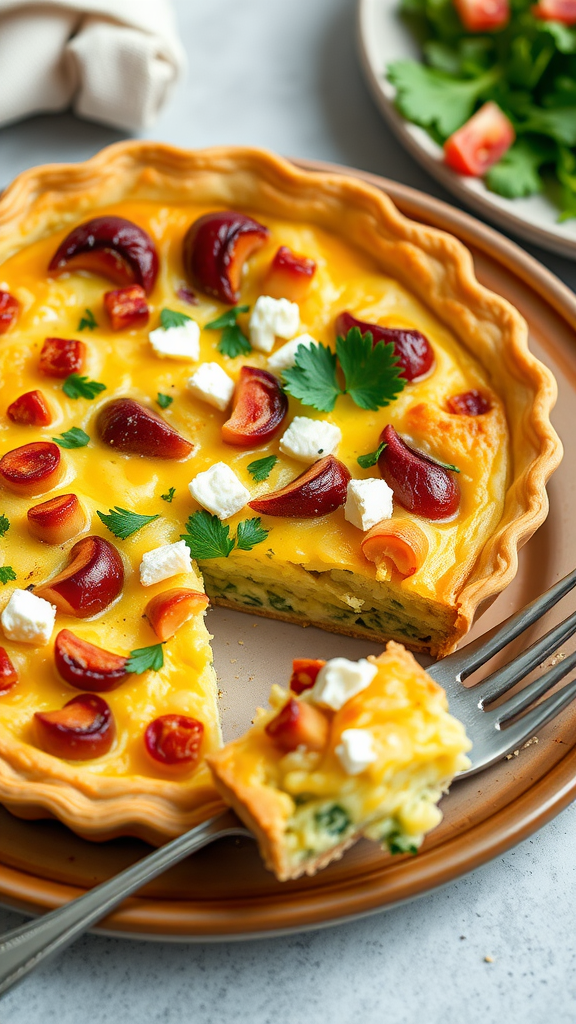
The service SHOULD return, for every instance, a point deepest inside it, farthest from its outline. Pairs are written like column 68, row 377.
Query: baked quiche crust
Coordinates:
column 428, row 264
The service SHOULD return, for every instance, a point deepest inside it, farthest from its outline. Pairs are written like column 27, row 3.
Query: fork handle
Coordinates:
column 23, row 949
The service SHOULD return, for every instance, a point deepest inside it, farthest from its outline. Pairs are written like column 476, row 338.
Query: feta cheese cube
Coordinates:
column 309, row 440
column 368, row 502
column 271, row 319
column 177, row 342
column 339, row 680
column 28, row 619
column 356, row 751
column 163, row 562
column 219, row 490
column 285, row 357
column 212, row 384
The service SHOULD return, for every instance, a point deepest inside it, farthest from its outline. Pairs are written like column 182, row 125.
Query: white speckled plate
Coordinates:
column 382, row 38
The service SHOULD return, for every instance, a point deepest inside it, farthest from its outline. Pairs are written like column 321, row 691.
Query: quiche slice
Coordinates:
column 364, row 749
column 223, row 376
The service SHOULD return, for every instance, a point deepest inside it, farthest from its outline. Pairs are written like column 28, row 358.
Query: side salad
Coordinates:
column 497, row 89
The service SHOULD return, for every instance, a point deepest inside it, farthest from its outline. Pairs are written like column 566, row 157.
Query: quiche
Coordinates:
column 225, row 379
column 352, row 749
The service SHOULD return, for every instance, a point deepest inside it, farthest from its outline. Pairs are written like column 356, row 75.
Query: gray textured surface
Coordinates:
column 284, row 75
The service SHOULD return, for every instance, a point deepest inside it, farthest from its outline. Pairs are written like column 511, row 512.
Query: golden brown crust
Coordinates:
column 434, row 265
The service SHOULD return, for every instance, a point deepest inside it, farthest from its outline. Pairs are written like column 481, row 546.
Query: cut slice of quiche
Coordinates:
column 354, row 749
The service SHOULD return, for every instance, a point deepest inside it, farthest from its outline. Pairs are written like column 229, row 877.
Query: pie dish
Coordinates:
column 319, row 771
column 370, row 261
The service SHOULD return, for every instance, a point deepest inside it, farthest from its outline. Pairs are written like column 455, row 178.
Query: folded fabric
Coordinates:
column 114, row 61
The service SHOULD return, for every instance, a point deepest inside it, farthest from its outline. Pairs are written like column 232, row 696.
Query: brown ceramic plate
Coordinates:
column 224, row 892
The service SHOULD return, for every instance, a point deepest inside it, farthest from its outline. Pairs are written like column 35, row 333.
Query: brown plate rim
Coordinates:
column 333, row 902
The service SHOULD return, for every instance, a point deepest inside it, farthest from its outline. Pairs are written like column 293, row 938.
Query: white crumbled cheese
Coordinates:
column 212, row 384
column 177, row 342
column 309, row 440
column 339, row 680
column 368, row 502
column 219, row 490
column 271, row 319
column 285, row 357
column 28, row 619
column 163, row 562
column 356, row 751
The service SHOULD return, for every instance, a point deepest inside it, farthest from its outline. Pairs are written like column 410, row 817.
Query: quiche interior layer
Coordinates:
column 304, row 807
column 325, row 577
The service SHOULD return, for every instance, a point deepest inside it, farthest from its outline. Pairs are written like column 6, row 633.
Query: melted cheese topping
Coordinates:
column 126, row 364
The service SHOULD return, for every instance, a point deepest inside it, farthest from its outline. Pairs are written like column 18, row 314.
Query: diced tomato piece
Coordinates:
column 304, row 672
column 556, row 10
column 483, row 15
column 8, row 674
column 298, row 725
column 9, row 309
column 61, row 356
column 127, row 307
column 174, row 741
column 30, row 409
column 481, row 142
column 289, row 275
column 469, row 403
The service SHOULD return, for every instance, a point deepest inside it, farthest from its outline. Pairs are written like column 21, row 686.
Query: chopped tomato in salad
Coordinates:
column 483, row 15
column 480, row 142
column 556, row 10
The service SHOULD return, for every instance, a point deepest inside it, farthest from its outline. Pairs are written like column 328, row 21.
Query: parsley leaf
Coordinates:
column 261, row 468
column 372, row 373
column 233, row 342
column 81, row 387
column 123, row 523
column 168, row 497
column 172, row 318
column 517, row 172
column 207, row 537
column 369, row 460
column 73, row 438
column 4, row 525
column 164, row 400
column 312, row 379
column 249, row 533
column 432, row 98
column 146, row 659
column 6, row 574
column 559, row 124
column 88, row 321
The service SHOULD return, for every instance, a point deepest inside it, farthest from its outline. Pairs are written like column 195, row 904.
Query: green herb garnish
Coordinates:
column 208, row 537
column 4, row 525
column 6, row 574
column 261, row 468
column 88, row 321
column 168, row 497
column 334, row 820
column 163, row 400
column 372, row 373
column 172, row 318
column 123, row 523
column 399, row 843
column 81, row 387
column 233, row 342
column 146, row 659
column 73, row 438
column 369, row 460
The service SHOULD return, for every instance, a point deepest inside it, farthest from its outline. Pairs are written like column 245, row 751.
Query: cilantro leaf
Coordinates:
column 566, row 171
column 88, row 321
column 168, row 497
column 517, row 173
column 123, row 523
column 73, row 438
column 163, row 400
column 6, row 574
column 4, row 525
column 249, row 533
column 145, row 659
column 172, row 318
column 207, row 537
column 559, row 124
column 81, row 387
column 372, row 372
column 312, row 379
column 369, row 460
column 261, row 468
column 432, row 98
column 228, row 318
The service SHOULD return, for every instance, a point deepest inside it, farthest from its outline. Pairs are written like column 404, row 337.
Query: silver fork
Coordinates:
column 23, row 949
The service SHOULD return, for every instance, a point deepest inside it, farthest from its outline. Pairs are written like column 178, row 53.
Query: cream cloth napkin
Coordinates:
column 113, row 60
